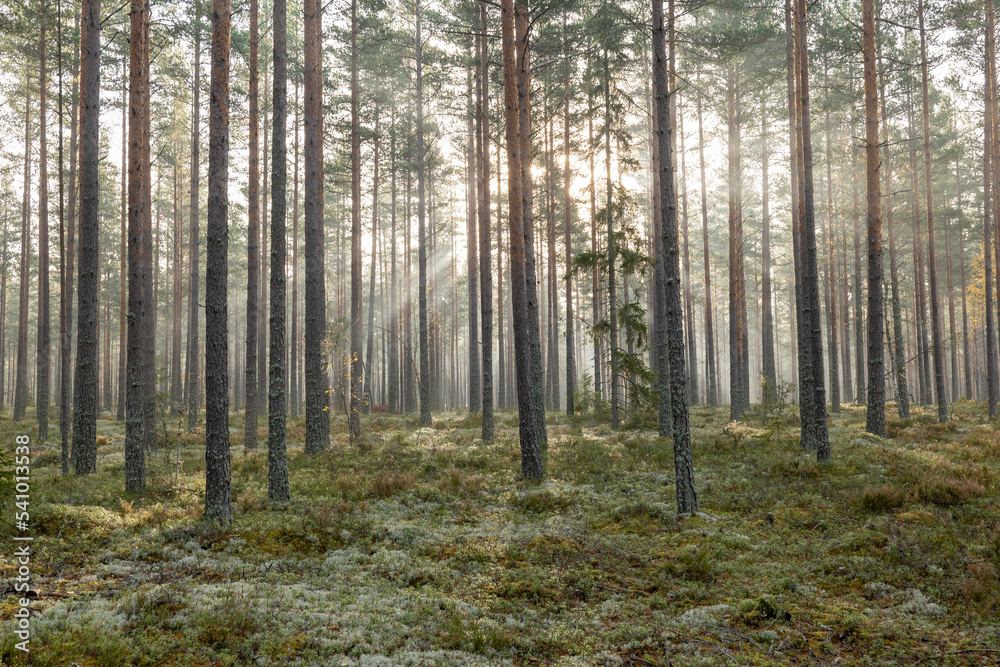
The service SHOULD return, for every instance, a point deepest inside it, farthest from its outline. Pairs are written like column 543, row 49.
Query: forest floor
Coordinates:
column 423, row 547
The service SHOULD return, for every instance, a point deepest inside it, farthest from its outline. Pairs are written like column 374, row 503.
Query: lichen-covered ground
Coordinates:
column 423, row 547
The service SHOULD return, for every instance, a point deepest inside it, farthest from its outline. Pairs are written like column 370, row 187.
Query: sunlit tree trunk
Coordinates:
column 425, row 371
column 317, row 397
column 739, row 344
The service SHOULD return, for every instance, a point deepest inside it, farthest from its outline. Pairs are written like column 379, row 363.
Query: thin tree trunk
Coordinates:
column 123, row 256
column 294, row 370
column 767, row 323
column 739, row 352
column 370, row 354
column 67, row 294
column 193, row 350
column 21, row 380
column 472, row 252
column 354, row 413
column 711, row 380
column 568, row 241
column 989, row 159
column 43, row 343
column 425, row 371
column 942, row 399
column 485, row 247
column 253, row 243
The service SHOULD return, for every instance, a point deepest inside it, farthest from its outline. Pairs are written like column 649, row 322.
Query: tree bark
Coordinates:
column 530, row 278
column 277, row 456
column 85, row 378
column 875, row 420
column 767, row 323
column 357, row 368
column 687, row 498
column 369, row 372
column 531, row 450
column 317, row 414
column 21, row 377
column 218, row 506
column 711, row 380
column 193, row 350
column 254, row 250
column 739, row 344
column 988, row 167
column 942, row 399
column 814, row 428
column 485, row 243
column 43, row 343
column 425, row 371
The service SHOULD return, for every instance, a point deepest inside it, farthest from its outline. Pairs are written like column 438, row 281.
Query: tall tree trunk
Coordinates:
column 43, row 343
column 767, row 323
column 814, row 428
column 177, row 383
column 140, row 245
column 253, row 243
column 899, row 343
column 989, row 159
column 357, row 369
column 370, row 354
column 472, row 252
column 394, row 395
column 317, row 415
column 711, row 380
column 293, row 357
column 502, row 355
column 595, row 294
column 531, row 449
column 193, row 349
column 65, row 415
column 739, row 342
column 829, row 284
column 85, row 378
column 425, row 371
column 485, row 245
column 942, row 399
column 123, row 256
column 692, row 347
column 800, row 360
column 21, row 379
column 568, row 212
column 859, row 315
column 218, row 506
column 966, row 350
column 608, row 211
column 277, row 456
column 687, row 498
column 530, row 278
column 875, row 420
